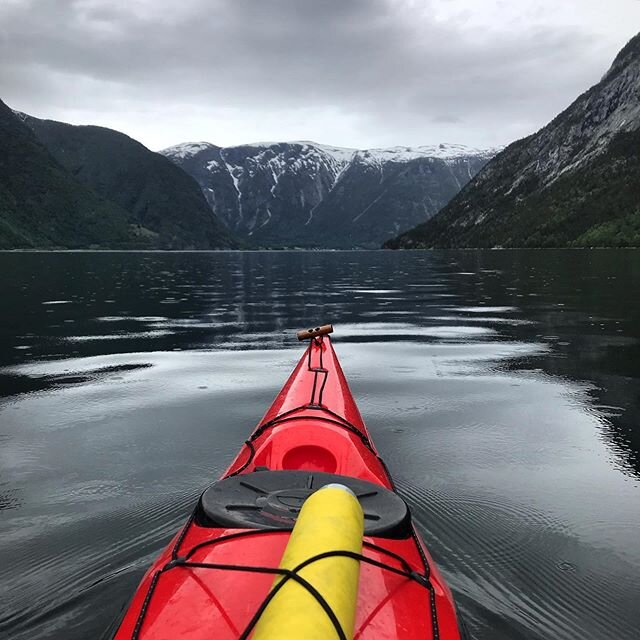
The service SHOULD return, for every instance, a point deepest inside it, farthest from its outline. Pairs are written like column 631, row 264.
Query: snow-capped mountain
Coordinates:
column 573, row 183
column 309, row 194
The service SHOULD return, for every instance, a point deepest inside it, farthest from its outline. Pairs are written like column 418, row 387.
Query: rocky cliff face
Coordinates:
column 307, row 194
column 575, row 182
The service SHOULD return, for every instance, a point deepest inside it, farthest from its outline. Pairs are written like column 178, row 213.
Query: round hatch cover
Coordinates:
column 273, row 499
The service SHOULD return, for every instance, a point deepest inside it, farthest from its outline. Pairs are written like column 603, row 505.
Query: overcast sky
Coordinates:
column 357, row 73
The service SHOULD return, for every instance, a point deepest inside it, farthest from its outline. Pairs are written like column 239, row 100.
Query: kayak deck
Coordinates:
column 215, row 574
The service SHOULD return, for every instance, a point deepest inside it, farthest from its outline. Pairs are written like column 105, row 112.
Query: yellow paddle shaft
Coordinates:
column 330, row 519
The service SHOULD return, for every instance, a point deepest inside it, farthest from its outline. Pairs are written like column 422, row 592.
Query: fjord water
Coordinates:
column 501, row 387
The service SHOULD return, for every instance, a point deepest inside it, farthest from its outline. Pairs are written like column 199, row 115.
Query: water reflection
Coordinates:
column 502, row 388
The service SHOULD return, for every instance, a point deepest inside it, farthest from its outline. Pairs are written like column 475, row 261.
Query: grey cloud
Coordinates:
column 379, row 61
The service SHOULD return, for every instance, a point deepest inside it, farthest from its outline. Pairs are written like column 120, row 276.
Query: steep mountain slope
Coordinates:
column 574, row 183
column 382, row 192
column 42, row 206
column 165, row 205
column 307, row 194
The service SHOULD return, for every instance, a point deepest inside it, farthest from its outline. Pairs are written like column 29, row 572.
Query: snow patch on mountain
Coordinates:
column 339, row 154
column 406, row 154
column 342, row 155
column 186, row 149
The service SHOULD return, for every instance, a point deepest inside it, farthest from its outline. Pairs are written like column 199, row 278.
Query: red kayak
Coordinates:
column 215, row 577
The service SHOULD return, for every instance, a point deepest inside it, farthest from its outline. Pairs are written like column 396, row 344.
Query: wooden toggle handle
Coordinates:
column 305, row 334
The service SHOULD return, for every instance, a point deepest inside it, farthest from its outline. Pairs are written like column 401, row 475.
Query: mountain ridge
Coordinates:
column 43, row 206
column 442, row 150
column 164, row 204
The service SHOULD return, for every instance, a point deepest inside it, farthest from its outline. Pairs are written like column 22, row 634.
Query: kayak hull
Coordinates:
column 213, row 576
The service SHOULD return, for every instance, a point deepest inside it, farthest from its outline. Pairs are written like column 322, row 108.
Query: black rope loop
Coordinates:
column 247, row 462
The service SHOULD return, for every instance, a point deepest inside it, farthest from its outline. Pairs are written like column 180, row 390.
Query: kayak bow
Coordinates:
column 242, row 560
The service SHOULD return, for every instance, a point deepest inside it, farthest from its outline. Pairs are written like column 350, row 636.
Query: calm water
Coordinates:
column 502, row 387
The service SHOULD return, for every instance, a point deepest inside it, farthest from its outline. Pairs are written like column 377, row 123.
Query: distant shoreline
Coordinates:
column 327, row 250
